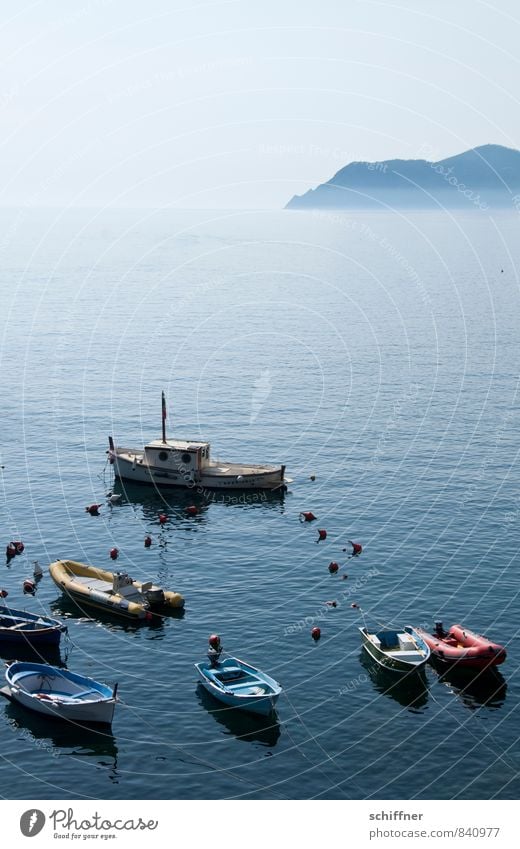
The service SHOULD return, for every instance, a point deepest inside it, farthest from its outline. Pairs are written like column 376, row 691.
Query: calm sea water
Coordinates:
column 377, row 352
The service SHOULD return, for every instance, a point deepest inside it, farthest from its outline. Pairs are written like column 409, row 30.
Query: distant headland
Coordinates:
column 484, row 177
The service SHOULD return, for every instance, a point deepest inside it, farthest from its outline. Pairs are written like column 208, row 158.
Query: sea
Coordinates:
column 376, row 355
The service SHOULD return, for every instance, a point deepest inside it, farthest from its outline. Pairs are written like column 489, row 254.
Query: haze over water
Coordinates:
column 378, row 352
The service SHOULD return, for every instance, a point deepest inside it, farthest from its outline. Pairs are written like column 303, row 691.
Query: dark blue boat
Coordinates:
column 23, row 628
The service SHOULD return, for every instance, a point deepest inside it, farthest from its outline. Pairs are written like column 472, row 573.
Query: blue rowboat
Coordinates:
column 22, row 628
column 398, row 651
column 61, row 694
column 239, row 685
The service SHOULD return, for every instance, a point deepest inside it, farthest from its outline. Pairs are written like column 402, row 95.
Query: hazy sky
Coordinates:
column 245, row 102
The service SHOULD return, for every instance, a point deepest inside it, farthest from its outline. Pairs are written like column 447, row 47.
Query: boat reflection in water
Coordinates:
column 60, row 738
column 177, row 501
column 475, row 689
column 27, row 654
column 409, row 690
column 243, row 726
column 67, row 609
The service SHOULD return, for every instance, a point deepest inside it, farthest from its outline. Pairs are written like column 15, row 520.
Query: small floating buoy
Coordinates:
column 113, row 498
column 354, row 605
column 114, row 553
column 147, row 542
column 192, row 510
column 93, row 509
column 331, row 603
column 29, row 586
column 307, row 516
column 357, row 548
column 344, row 577
column 316, row 633
column 19, row 546
column 3, row 593
column 322, row 534
column 333, row 567
column 37, row 570
column 10, row 550
column 163, row 518
column 312, row 477
column 148, row 616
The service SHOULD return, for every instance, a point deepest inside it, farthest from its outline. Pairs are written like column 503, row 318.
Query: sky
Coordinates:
column 241, row 103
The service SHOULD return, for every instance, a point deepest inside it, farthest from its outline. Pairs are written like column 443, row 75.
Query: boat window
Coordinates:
column 163, row 456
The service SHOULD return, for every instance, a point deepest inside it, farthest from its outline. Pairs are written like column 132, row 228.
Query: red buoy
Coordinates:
column 321, row 535
column 147, row 542
column 3, row 593
column 28, row 586
column 93, row 509
column 148, row 616
column 307, row 516
column 316, row 633
column 333, row 567
column 18, row 546
column 114, row 553
column 192, row 510
column 10, row 550
column 163, row 518
column 357, row 548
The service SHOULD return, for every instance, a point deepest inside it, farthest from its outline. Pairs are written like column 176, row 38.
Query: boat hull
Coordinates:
column 262, row 704
column 139, row 472
column 37, row 630
column 81, row 582
column 60, row 694
column 392, row 661
column 466, row 650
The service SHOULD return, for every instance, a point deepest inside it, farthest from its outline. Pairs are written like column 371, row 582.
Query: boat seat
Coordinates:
column 252, row 691
column 83, row 693
column 408, row 655
column 230, row 673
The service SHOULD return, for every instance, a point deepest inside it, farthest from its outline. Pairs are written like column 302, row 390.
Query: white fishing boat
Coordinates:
column 236, row 683
column 59, row 693
column 187, row 463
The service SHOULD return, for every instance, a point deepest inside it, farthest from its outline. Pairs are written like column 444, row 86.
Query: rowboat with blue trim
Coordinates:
column 61, row 694
column 236, row 683
column 34, row 629
column 398, row 651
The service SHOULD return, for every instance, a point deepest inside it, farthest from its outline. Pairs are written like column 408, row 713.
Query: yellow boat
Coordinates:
column 115, row 592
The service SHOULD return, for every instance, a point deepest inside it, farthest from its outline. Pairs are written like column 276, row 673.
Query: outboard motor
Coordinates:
column 439, row 630
column 215, row 650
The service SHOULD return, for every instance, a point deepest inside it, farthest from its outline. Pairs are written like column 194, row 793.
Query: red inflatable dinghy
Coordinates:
column 462, row 647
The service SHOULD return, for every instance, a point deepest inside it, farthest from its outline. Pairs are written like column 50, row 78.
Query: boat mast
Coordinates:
column 163, row 402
